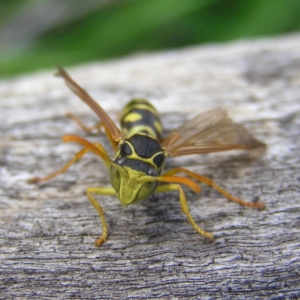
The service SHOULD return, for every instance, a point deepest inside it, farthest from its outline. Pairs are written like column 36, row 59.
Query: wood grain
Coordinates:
column 47, row 231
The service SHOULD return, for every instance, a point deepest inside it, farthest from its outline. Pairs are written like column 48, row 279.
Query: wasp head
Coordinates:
column 133, row 180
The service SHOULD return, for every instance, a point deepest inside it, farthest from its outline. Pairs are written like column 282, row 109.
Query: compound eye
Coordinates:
column 125, row 150
column 152, row 172
column 159, row 160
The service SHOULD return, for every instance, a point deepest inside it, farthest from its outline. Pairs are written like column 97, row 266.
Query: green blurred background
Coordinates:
column 35, row 34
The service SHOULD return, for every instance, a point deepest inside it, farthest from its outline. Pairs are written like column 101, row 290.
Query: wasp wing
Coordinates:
column 109, row 125
column 211, row 131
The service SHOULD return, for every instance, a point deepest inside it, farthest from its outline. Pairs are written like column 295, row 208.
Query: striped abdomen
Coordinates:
column 139, row 116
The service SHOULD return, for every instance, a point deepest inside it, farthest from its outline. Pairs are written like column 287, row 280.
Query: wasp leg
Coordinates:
column 209, row 182
column 87, row 129
column 184, row 206
column 100, row 191
column 76, row 157
column 97, row 127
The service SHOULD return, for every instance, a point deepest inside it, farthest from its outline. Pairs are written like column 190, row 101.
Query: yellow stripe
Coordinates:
column 138, row 129
column 146, row 106
column 132, row 117
column 158, row 127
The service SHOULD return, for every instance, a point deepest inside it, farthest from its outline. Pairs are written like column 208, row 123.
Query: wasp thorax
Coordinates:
column 142, row 153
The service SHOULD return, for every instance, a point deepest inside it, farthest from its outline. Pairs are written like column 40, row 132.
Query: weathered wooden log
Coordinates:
column 48, row 230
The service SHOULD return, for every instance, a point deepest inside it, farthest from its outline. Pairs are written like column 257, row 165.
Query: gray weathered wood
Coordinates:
column 47, row 231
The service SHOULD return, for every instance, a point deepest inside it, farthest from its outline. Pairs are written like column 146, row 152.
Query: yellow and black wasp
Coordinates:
column 136, row 172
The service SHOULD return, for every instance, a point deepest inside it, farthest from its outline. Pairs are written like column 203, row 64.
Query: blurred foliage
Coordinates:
column 35, row 34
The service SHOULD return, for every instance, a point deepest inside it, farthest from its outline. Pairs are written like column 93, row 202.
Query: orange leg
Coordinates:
column 87, row 129
column 209, row 182
column 96, row 127
column 76, row 157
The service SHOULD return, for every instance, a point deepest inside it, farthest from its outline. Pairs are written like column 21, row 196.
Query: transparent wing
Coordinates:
column 211, row 131
column 107, row 122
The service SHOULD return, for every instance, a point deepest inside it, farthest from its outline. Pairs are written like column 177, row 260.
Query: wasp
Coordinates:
column 136, row 172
